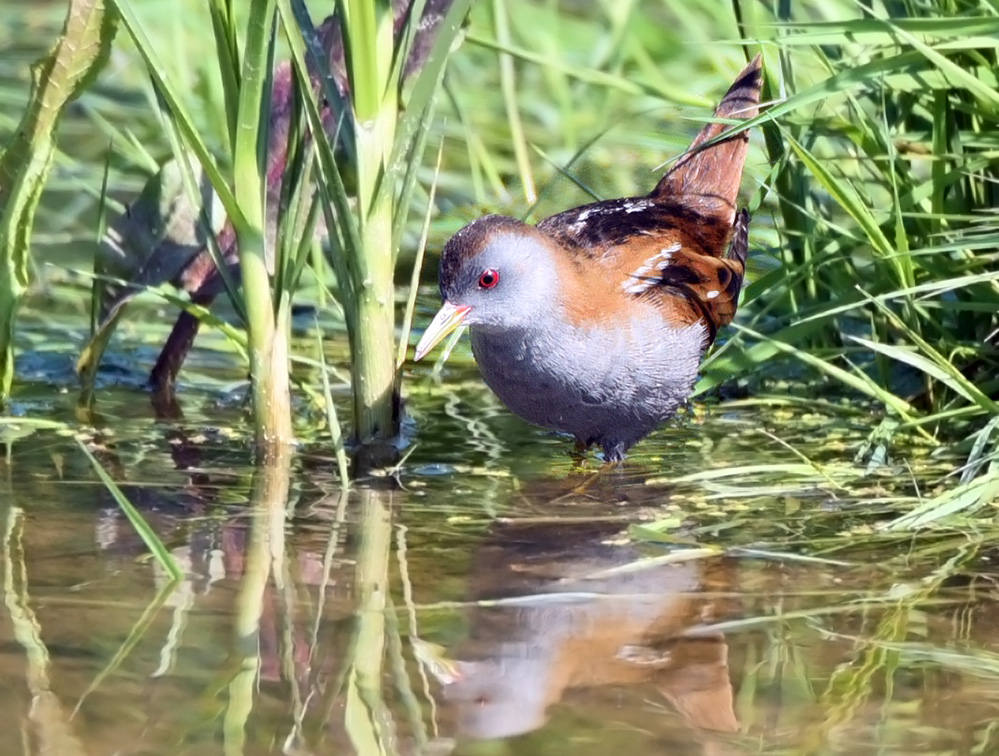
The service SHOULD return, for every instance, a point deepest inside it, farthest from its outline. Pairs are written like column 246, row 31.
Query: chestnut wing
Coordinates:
column 662, row 251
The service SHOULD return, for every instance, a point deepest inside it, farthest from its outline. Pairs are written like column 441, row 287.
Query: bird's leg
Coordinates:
column 178, row 344
column 578, row 454
column 581, row 488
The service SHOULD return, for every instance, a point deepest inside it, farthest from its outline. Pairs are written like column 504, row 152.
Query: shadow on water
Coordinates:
column 473, row 608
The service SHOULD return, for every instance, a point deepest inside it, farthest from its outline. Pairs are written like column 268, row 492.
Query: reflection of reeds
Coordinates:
column 264, row 559
column 51, row 727
column 879, row 144
column 367, row 718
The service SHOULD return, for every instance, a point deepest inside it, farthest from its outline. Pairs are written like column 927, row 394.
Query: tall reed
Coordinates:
column 881, row 138
column 342, row 116
column 387, row 142
column 57, row 78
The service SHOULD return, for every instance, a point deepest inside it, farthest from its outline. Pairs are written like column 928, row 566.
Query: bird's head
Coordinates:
column 496, row 272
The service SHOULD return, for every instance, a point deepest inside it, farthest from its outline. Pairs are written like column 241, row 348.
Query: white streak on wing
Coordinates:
column 642, row 279
column 629, row 206
column 636, row 206
column 579, row 224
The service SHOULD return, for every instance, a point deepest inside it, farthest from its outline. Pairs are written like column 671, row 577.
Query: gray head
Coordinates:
column 496, row 272
column 501, row 268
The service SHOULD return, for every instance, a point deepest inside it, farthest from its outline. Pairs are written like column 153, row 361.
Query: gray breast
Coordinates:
column 613, row 383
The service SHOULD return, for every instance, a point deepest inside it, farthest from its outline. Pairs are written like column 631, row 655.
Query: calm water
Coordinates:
column 470, row 602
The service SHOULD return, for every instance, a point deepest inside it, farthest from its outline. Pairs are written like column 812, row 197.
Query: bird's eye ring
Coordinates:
column 488, row 279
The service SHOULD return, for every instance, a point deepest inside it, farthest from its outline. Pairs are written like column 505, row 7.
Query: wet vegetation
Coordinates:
column 802, row 563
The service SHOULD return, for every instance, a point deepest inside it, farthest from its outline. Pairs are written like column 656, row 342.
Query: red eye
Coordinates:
column 488, row 279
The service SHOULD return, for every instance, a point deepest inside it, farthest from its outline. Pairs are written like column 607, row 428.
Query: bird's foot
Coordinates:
column 579, row 456
column 582, row 488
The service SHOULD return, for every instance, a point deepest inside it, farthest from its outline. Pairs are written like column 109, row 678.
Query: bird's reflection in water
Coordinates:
column 577, row 612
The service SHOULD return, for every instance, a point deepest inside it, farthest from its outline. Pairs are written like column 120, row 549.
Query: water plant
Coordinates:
column 346, row 83
column 25, row 161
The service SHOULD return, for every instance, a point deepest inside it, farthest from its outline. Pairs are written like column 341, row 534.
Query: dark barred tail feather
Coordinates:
column 707, row 179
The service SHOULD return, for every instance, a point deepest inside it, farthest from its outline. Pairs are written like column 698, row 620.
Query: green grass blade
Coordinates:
column 139, row 524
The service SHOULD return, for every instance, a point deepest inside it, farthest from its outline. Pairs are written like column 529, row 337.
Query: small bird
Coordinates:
column 594, row 321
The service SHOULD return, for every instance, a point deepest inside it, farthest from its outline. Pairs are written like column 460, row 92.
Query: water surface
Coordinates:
column 711, row 597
